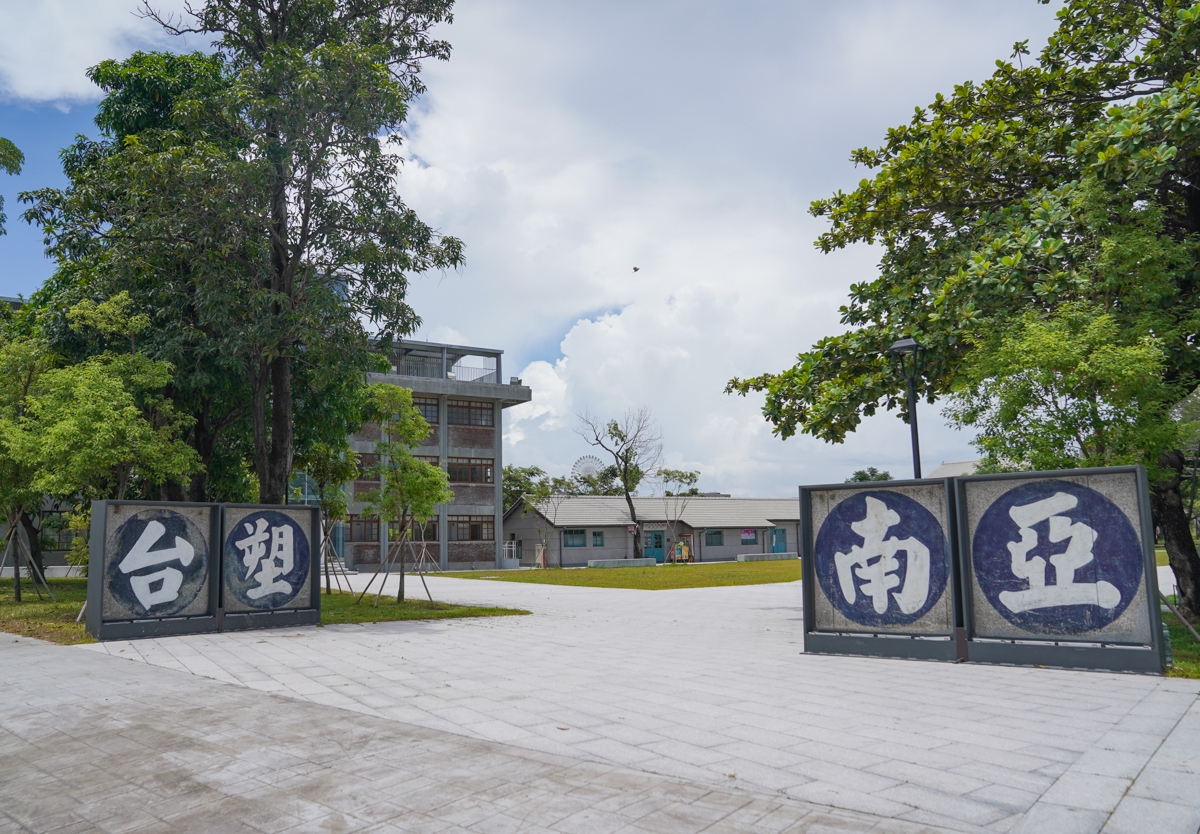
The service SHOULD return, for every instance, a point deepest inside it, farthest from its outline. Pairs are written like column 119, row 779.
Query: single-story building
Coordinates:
column 580, row 528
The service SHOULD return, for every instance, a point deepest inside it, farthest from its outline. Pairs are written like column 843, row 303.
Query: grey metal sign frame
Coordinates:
column 102, row 629
column 281, row 617
column 924, row 646
column 1056, row 650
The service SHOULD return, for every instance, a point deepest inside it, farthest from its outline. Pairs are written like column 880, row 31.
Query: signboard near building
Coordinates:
column 269, row 560
column 1059, row 569
column 151, row 569
column 158, row 568
column 879, row 569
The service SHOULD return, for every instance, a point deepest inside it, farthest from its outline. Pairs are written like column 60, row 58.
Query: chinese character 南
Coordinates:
column 140, row 556
column 1066, row 591
column 881, row 575
column 271, row 565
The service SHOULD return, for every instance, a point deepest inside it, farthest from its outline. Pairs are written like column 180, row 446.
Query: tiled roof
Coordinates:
column 695, row 511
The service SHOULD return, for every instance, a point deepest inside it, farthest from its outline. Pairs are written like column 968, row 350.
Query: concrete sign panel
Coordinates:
column 879, row 562
column 151, row 569
column 1061, row 566
column 176, row 568
column 268, row 557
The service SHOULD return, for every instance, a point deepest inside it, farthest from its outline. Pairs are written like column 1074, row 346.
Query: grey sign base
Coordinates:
column 270, row 619
column 869, row 645
column 135, row 629
column 1144, row 660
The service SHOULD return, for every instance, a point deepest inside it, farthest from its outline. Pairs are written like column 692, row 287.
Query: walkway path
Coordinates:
column 710, row 686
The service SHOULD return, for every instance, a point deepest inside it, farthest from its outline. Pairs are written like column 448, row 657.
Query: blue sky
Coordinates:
column 566, row 143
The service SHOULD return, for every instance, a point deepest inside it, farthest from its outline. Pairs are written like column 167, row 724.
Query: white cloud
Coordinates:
column 568, row 143
column 46, row 46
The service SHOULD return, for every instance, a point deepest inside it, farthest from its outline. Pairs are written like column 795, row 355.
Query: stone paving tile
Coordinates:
column 170, row 752
column 730, row 693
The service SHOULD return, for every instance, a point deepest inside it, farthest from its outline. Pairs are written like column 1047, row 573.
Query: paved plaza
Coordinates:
column 606, row 710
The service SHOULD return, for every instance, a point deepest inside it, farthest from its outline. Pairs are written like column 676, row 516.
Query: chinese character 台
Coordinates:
column 140, row 556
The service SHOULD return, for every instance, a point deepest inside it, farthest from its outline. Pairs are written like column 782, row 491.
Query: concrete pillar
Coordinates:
column 498, row 479
column 443, row 451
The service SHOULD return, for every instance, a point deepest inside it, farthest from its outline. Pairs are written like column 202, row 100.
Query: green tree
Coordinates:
column 330, row 467
column 678, row 486
column 1068, row 178
column 410, row 489
column 867, row 475
column 1068, row 390
column 315, row 85
column 519, row 481
column 11, row 160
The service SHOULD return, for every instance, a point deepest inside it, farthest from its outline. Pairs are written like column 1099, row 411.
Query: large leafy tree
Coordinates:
column 11, row 160
column 1073, row 177
column 264, row 190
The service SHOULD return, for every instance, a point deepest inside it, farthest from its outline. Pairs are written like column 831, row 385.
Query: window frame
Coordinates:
column 574, row 537
column 745, row 541
column 422, row 404
column 479, row 528
column 368, row 524
column 478, row 470
column 597, row 538
column 714, row 538
column 476, row 414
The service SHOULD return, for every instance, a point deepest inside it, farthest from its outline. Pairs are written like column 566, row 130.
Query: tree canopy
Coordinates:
column 1069, row 178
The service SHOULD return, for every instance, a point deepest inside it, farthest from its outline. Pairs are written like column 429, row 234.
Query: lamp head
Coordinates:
column 907, row 345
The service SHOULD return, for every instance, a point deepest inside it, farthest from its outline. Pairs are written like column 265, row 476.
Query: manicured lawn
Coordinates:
column 661, row 578
column 1160, row 556
column 1184, row 648
column 55, row 621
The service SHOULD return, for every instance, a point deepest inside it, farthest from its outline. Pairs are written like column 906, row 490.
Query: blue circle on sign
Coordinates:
column 159, row 563
column 1056, row 557
column 266, row 559
column 881, row 559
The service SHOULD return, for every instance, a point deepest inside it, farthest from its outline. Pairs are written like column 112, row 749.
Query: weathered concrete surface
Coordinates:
column 709, row 685
column 91, row 743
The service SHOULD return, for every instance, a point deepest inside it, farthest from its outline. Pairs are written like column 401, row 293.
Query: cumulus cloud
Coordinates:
column 46, row 46
column 569, row 143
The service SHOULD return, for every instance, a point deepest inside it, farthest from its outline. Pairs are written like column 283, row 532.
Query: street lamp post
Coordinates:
column 908, row 354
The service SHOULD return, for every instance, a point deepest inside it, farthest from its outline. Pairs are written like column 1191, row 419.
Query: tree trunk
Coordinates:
column 273, row 488
column 1169, row 512
column 637, row 528
column 35, row 544
column 256, row 369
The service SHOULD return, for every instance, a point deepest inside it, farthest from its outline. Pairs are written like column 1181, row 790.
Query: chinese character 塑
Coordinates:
column 881, row 575
column 1066, row 591
column 140, row 556
column 271, row 565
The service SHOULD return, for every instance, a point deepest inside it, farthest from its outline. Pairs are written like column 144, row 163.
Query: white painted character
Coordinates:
column 271, row 565
column 140, row 556
column 881, row 575
column 1065, row 591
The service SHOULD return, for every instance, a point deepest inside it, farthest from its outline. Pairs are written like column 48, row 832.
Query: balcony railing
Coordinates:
column 459, row 364
column 466, row 373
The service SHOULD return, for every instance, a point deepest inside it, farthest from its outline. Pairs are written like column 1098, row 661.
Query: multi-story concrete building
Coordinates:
column 458, row 390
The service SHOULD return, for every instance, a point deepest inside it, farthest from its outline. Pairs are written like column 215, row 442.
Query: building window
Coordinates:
column 714, row 538
column 749, row 537
column 574, row 538
column 362, row 528
column 470, row 413
column 432, row 459
column 597, row 538
column 472, row 528
column 470, row 470
column 368, row 467
column 426, row 532
column 428, row 408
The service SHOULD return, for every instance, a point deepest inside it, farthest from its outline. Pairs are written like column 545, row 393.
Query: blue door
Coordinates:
column 779, row 541
column 654, row 544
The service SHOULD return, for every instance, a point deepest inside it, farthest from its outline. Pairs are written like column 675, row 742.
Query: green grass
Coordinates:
column 1160, row 556
column 46, row 620
column 55, row 621
column 661, row 578
column 1185, row 649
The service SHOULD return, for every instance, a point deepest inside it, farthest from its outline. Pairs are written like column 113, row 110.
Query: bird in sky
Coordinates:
column 635, row 269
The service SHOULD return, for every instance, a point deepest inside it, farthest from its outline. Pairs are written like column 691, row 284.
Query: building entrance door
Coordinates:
column 779, row 541
column 654, row 545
